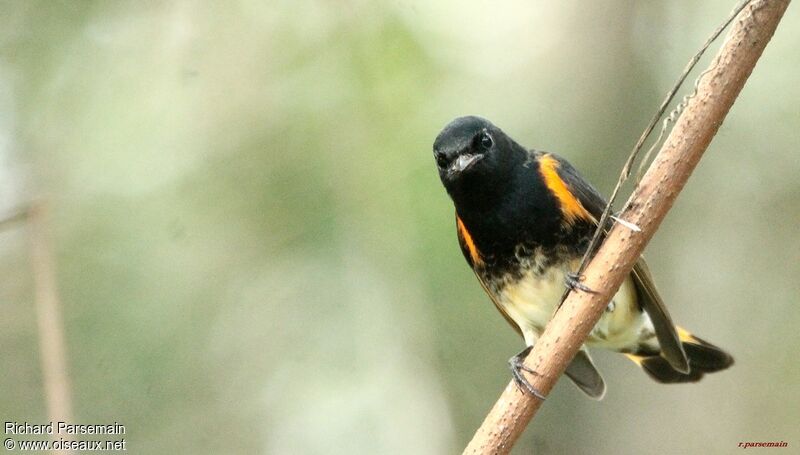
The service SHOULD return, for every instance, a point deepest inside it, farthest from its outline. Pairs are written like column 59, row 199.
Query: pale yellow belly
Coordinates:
column 530, row 303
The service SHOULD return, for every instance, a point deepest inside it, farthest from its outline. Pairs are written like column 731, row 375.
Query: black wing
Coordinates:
column 649, row 299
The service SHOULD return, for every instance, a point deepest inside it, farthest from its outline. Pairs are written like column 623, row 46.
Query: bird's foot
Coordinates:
column 517, row 366
column 573, row 282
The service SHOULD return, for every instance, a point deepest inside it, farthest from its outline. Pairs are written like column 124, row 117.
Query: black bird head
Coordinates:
column 475, row 158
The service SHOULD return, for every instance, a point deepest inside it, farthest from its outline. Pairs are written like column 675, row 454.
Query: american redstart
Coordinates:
column 524, row 219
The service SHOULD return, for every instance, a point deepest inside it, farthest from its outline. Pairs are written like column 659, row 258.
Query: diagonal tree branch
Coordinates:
column 646, row 208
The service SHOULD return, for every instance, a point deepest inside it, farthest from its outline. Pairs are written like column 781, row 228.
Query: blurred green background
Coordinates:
column 255, row 255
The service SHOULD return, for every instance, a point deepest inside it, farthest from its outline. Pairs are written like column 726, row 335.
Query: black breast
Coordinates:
column 522, row 221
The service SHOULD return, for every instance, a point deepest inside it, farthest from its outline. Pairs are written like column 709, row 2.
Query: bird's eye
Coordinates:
column 441, row 160
column 486, row 141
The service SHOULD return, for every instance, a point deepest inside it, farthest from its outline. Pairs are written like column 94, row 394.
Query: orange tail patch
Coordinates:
column 686, row 337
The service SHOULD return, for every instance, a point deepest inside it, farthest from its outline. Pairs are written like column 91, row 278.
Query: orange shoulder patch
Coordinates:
column 571, row 207
column 466, row 241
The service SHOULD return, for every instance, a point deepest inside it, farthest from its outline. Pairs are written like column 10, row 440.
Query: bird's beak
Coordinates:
column 464, row 162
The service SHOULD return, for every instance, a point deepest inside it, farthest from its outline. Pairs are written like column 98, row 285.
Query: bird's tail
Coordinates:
column 703, row 357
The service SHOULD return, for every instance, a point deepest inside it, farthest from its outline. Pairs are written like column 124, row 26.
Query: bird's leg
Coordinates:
column 517, row 367
column 573, row 282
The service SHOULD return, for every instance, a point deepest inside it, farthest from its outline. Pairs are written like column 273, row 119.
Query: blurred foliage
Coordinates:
column 255, row 254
